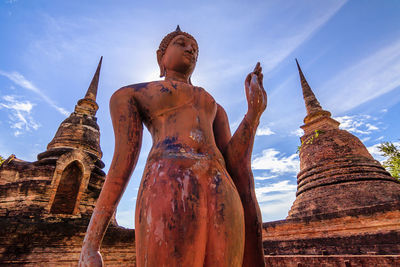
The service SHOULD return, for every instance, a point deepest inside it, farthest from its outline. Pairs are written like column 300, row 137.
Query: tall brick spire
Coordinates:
column 312, row 104
column 80, row 129
column 88, row 105
column 315, row 113
column 92, row 90
column 313, row 107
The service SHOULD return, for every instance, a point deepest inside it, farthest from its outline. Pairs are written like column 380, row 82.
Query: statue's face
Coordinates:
column 181, row 55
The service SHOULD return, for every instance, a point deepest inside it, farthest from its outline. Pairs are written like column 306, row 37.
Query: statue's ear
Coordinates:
column 159, row 60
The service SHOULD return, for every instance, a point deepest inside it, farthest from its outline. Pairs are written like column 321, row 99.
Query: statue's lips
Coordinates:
column 189, row 56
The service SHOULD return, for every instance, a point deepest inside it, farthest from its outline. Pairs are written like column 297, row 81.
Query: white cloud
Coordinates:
column 277, row 210
column 358, row 124
column 282, row 186
column 19, row 114
column 273, row 161
column 299, row 132
column 374, row 151
column 365, row 139
column 20, row 80
column 264, row 130
column 126, row 218
column 371, row 77
column 276, row 199
column 262, row 178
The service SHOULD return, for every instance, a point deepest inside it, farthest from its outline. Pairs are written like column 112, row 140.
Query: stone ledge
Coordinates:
column 332, row 260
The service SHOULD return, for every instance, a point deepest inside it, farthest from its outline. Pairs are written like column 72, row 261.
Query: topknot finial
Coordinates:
column 165, row 41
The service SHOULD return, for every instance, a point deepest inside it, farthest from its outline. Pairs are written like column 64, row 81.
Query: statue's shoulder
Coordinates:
column 139, row 91
column 137, row 87
column 142, row 87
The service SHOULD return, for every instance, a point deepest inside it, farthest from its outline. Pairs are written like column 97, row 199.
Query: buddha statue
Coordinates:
column 196, row 205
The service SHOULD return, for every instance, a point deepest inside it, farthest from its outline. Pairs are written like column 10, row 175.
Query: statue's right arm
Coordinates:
column 128, row 131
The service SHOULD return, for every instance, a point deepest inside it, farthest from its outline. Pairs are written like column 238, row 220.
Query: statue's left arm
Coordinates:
column 237, row 153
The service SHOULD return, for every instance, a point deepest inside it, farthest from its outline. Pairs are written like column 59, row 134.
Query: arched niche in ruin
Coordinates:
column 68, row 189
column 70, row 180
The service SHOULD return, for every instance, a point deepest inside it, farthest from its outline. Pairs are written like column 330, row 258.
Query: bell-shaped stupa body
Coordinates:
column 337, row 173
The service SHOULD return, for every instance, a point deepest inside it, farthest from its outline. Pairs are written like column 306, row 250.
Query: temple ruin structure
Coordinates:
column 45, row 205
column 346, row 211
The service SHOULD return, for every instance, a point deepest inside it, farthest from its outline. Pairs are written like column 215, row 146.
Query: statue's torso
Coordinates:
column 186, row 200
column 180, row 119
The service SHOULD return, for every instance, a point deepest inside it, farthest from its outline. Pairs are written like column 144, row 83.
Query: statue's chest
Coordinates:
column 170, row 98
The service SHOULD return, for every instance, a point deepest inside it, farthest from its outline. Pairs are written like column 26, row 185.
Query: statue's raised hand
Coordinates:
column 90, row 258
column 255, row 93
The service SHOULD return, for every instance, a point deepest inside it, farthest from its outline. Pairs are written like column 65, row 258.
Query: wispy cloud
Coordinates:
column 264, row 130
column 369, row 78
column 277, row 210
column 276, row 199
column 278, row 42
column 298, row 132
column 358, row 124
column 275, row 162
column 266, row 177
column 20, row 80
column 19, row 114
column 287, row 38
column 281, row 186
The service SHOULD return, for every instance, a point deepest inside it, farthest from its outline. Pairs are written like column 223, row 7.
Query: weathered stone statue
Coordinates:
column 196, row 204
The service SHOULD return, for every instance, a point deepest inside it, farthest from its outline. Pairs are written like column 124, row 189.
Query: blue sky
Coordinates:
column 349, row 52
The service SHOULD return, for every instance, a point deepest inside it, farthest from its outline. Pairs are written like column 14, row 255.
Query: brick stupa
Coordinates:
column 346, row 211
column 46, row 205
column 337, row 173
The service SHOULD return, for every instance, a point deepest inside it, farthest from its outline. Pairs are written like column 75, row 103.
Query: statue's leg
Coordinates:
column 171, row 216
column 225, row 244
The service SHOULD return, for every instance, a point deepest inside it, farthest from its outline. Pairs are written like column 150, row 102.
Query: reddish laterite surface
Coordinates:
column 196, row 204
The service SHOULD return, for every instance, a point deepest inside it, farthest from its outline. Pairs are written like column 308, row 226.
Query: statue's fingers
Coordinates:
column 254, row 82
column 256, row 68
column 248, row 77
column 247, row 80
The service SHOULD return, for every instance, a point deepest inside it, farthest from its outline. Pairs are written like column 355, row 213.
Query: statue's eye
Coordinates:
column 180, row 42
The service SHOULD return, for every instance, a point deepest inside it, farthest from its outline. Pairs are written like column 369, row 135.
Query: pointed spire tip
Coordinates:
column 92, row 90
column 298, row 66
column 312, row 104
column 178, row 29
column 101, row 60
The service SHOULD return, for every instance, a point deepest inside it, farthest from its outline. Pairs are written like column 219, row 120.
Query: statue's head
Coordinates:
column 178, row 51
